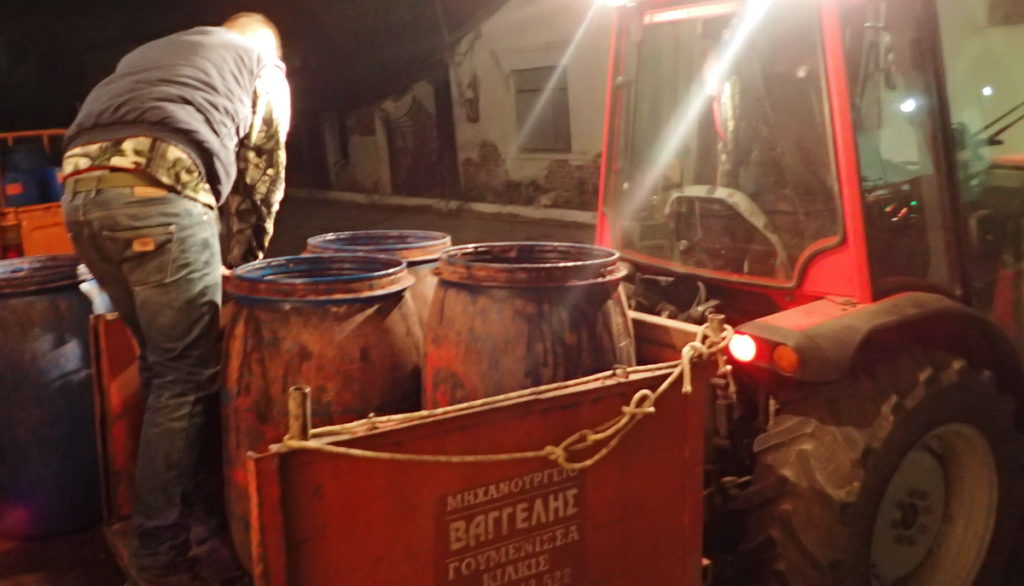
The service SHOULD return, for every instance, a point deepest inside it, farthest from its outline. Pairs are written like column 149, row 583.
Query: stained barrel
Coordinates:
column 509, row 316
column 420, row 250
column 49, row 475
column 340, row 324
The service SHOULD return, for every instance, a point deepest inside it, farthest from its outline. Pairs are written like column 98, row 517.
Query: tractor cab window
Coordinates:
column 896, row 107
column 726, row 162
column 981, row 49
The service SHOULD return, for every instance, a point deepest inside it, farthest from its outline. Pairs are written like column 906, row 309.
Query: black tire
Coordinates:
column 824, row 466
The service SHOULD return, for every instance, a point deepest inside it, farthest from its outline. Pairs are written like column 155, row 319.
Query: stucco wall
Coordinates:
column 526, row 34
column 391, row 145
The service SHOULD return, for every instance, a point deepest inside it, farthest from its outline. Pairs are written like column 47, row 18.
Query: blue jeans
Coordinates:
column 158, row 258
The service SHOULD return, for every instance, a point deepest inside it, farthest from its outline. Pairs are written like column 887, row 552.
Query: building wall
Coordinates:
column 355, row 166
column 527, row 34
column 983, row 78
column 390, row 146
column 978, row 56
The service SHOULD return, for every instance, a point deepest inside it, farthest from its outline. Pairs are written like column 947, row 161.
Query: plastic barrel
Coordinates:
column 49, row 475
column 50, row 187
column 28, row 176
column 420, row 249
column 340, row 324
column 511, row 316
column 25, row 188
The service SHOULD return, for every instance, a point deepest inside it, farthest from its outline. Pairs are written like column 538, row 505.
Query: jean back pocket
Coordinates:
column 146, row 254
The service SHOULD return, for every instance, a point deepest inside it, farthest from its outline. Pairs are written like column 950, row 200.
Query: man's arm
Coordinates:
column 247, row 216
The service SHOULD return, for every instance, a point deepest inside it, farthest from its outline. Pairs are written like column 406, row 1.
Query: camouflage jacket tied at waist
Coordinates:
column 247, row 215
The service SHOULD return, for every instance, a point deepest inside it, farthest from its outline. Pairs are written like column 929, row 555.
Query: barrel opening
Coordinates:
column 320, row 276
column 529, row 264
column 532, row 254
column 409, row 244
column 320, row 268
column 380, row 238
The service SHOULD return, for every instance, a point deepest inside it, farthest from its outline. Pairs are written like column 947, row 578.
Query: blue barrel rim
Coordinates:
column 355, row 276
column 29, row 274
column 410, row 245
column 530, row 264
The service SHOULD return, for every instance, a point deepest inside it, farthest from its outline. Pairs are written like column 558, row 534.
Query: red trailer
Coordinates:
column 546, row 486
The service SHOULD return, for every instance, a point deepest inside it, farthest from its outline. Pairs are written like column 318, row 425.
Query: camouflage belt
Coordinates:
column 108, row 180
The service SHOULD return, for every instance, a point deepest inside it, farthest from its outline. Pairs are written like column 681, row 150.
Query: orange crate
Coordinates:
column 41, row 228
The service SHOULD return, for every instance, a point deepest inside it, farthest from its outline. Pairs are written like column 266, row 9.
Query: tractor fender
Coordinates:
column 827, row 334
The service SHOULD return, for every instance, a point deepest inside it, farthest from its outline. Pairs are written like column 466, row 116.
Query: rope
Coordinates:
column 375, row 422
column 609, row 433
column 697, row 350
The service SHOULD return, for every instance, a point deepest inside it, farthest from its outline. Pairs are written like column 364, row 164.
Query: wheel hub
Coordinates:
column 937, row 514
column 910, row 515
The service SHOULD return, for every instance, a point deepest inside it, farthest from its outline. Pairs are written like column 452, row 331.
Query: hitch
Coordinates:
column 722, row 384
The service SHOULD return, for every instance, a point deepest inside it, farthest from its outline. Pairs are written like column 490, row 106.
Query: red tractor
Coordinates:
column 838, row 177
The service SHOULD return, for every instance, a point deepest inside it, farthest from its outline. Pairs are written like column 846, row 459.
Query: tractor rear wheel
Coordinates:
column 908, row 473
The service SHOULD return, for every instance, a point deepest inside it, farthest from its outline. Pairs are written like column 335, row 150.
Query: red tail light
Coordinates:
column 742, row 347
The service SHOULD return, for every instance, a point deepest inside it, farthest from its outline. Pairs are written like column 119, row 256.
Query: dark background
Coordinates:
column 341, row 54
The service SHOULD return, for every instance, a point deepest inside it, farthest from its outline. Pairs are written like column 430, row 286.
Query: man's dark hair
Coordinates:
column 247, row 23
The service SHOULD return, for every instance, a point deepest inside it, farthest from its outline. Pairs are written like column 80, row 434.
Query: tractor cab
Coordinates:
column 802, row 149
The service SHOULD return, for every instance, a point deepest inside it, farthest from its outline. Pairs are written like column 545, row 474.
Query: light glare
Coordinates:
column 908, row 105
column 987, row 91
column 549, row 87
column 684, row 120
column 696, row 11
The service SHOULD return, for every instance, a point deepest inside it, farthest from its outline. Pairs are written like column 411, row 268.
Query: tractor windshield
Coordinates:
column 724, row 154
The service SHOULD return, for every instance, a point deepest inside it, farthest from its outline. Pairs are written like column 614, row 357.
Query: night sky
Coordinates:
column 340, row 54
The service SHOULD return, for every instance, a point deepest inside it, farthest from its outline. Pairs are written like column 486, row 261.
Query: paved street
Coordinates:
column 302, row 217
